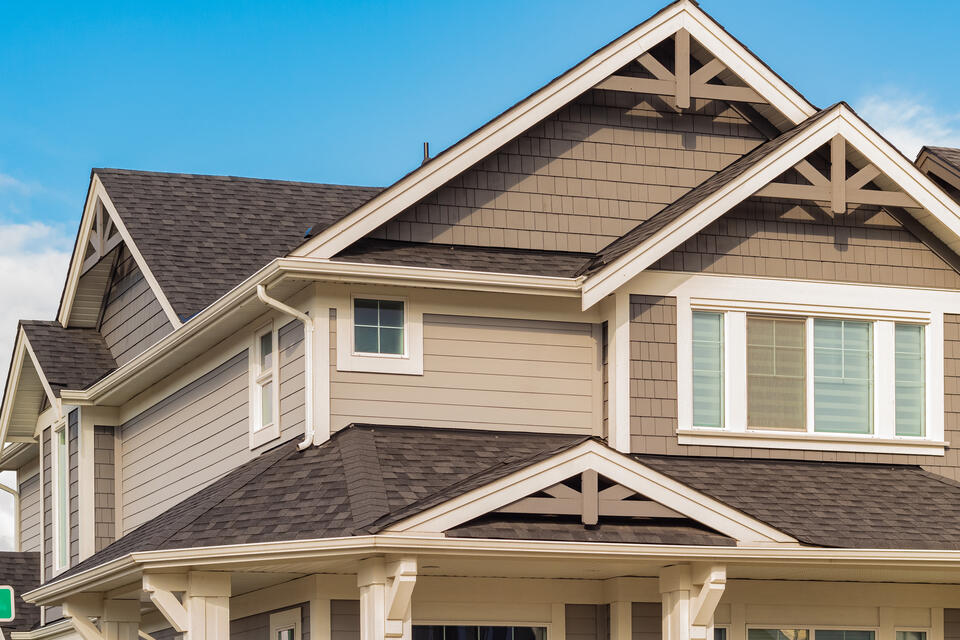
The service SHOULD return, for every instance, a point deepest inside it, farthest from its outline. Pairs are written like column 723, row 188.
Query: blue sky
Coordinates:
column 347, row 92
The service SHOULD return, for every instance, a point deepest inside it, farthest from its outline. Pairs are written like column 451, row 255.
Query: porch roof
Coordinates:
column 72, row 358
column 20, row 570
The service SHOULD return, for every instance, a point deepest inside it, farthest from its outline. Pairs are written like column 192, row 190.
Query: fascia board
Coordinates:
column 21, row 351
column 76, row 260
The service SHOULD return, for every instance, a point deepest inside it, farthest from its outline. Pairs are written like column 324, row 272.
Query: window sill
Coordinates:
column 260, row 437
column 709, row 437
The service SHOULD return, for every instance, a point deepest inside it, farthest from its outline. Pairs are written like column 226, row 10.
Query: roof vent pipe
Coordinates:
column 308, row 427
column 426, row 152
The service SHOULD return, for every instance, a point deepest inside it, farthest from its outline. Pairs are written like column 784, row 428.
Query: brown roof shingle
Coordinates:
column 21, row 571
column 71, row 358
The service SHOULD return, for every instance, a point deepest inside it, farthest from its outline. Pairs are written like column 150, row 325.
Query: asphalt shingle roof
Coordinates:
column 202, row 235
column 21, row 571
column 947, row 154
column 71, row 358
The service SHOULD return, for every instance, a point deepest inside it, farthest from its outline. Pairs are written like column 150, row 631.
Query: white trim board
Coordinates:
column 622, row 469
column 938, row 211
column 21, row 351
column 683, row 14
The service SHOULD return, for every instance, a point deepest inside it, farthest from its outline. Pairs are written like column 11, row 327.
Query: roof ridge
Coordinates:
column 363, row 475
column 225, row 177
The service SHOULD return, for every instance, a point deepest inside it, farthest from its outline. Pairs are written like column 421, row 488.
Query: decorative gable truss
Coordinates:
column 591, row 481
column 101, row 232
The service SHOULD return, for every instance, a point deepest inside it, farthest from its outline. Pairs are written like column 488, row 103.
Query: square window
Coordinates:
column 378, row 326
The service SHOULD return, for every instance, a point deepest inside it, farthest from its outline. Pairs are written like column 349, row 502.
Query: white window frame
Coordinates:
column 410, row 362
column 813, row 299
column 813, row 628
column 288, row 619
column 262, row 434
column 61, row 542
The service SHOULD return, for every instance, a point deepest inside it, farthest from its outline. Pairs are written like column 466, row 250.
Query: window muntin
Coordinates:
column 61, row 496
column 378, row 326
column 776, row 382
column 264, row 414
column 843, row 376
column 910, row 380
column 708, row 369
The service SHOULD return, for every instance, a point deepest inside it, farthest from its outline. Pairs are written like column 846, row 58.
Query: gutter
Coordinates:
column 310, row 434
column 130, row 566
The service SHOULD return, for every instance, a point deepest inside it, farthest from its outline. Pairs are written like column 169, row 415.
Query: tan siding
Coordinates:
column 951, row 624
column 646, row 621
column 587, row 622
column 29, row 488
column 104, row 486
column 257, row 627
column 47, row 461
column 582, row 177
column 775, row 239
column 132, row 317
column 199, row 433
column 344, row 620
column 73, row 492
column 480, row 373
column 653, row 413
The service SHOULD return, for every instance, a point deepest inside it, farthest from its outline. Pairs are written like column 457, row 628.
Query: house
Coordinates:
column 662, row 351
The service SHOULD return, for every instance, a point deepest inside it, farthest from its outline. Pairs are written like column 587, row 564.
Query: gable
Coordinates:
column 731, row 72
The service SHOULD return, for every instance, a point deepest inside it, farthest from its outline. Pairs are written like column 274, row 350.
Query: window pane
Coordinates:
column 911, row 635
column 63, row 523
column 266, row 404
column 365, row 312
column 843, row 376
column 910, row 380
column 846, row 634
column 365, row 339
column 719, row 633
column 285, row 634
column 391, row 341
column 391, row 313
column 707, row 369
column 778, row 634
column 776, row 393
column 266, row 351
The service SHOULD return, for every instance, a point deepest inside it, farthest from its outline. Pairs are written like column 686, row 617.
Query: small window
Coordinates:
column 378, row 326
column 776, row 386
column 285, row 625
column 910, row 391
column 61, row 492
column 911, row 635
column 843, row 376
column 264, row 387
column 707, row 369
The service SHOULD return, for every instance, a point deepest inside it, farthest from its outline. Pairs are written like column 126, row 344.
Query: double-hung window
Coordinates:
column 265, row 387
column 829, row 378
column 61, row 496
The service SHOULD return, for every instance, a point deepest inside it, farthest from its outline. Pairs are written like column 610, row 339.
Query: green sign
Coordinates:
column 7, row 612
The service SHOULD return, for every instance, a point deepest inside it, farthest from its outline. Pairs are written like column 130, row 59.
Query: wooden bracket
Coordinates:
column 386, row 592
column 713, row 581
column 102, row 239
column 681, row 83
column 838, row 189
column 401, row 579
column 112, row 614
column 590, row 503
column 690, row 596
column 161, row 587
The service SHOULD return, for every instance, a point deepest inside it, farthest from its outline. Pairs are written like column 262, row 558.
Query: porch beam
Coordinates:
column 118, row 619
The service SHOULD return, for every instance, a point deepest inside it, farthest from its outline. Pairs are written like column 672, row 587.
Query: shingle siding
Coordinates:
column 73, row 478
column 47, row 504
column 777, row 239
column 104, row 487
column 583, row 177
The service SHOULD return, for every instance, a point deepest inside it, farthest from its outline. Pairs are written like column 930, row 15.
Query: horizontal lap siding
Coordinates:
column 653, row 389
column 647, row 621
column 480, row 373
column 29, row 488
column 344, row 620
column 257, row 627
column 583, row 177
column 104, row 487
column 786, row 240
column 133, row 319
column 951, row 624
column 201, row 432
column 587, row 622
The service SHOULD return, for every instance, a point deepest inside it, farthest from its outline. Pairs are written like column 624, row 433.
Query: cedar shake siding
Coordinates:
column 481, row 373
column 29, row 487
column 73, row 478
column 46, row 445
column 646, row 621
column 104, row 487
column 197, row 434
column 587, row 622
column 257, row 627
column 344, row 620
column 132, row 316
column 653, row 390
column 583, row 177
column 777, row 239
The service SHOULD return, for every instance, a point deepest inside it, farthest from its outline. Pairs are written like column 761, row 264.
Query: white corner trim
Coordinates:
column 410, row 363
column 587, row 74
column 940, row 213
column 618, row 378
column 613, row 465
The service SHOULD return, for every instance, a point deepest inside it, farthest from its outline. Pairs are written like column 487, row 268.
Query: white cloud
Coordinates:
column 33, row 261
column 9, row 183
column 909, row 122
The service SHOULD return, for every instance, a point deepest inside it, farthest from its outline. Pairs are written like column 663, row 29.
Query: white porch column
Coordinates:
column 690, row 594
column 118, row 619
column 386, row 591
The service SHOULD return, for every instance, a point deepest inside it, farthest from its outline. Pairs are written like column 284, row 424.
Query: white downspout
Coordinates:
column 308, row 427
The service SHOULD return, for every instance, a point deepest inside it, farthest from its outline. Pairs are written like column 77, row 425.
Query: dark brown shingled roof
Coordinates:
column 947, row 154
column 692, row 198
column 847, row 505
column 202, row 235
column 22, row 572
column 69, row 358
column 444, row 256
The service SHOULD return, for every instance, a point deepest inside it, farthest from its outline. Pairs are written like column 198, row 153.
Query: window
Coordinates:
column 471, row 632
column 708, row 369
column 719, row 633
column 60, row 456
column 805, row 634
column 285, row 625
column 378, row 326
column 911, row 635
column 767, row 377
column 265, row 387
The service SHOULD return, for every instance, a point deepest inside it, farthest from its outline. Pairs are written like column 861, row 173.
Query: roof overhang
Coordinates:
column 930, row 163
column 23, row 394
column 683, row 14
column 937, row 211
